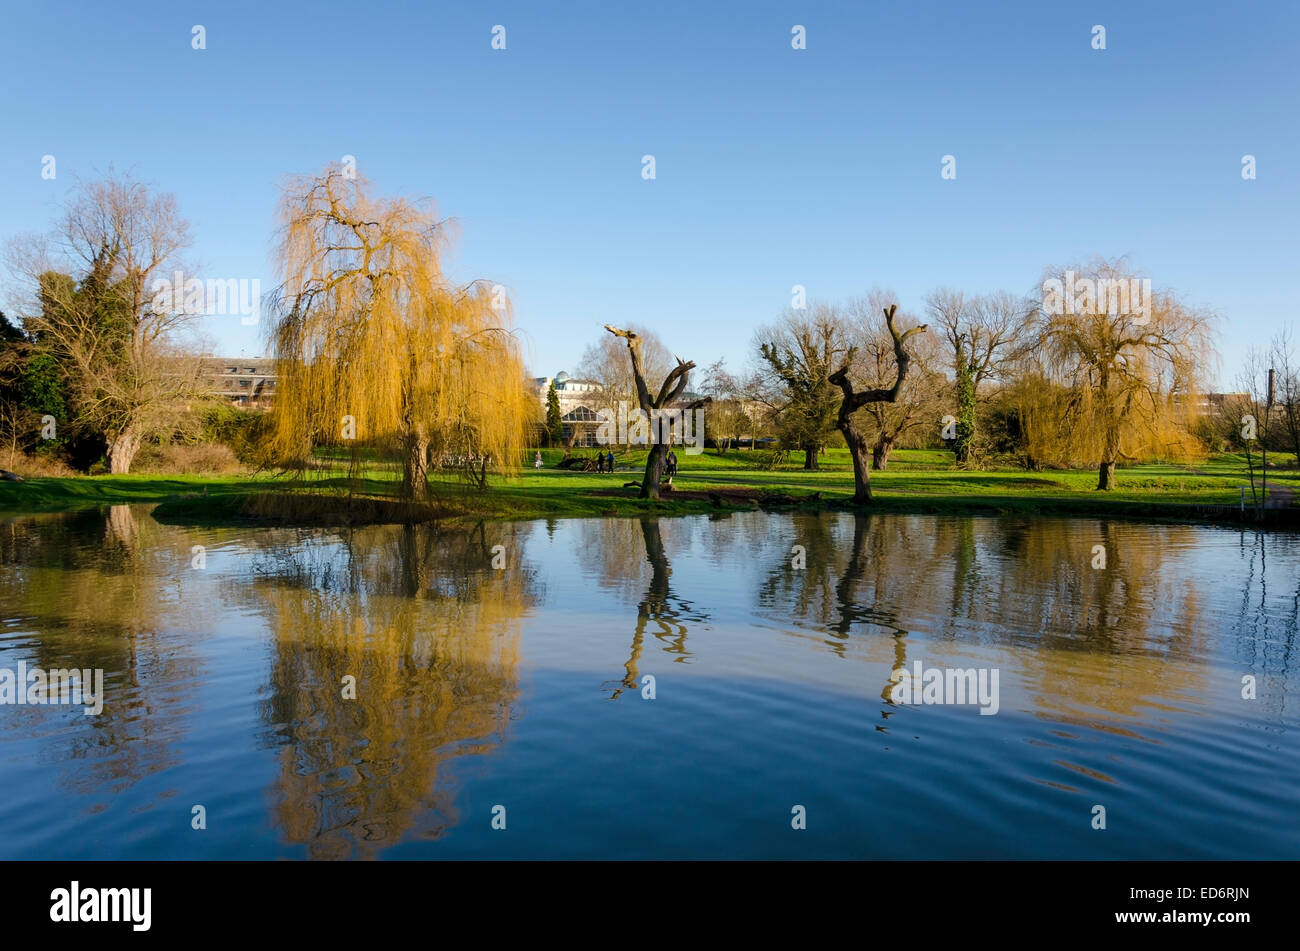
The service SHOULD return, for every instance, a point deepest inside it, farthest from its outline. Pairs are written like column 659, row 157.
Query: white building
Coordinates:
column 579, row 400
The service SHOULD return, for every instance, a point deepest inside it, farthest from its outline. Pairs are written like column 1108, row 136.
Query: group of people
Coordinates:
column 605, row 462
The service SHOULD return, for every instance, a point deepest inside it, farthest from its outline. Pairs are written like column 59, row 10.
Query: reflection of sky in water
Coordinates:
column 1120, row 686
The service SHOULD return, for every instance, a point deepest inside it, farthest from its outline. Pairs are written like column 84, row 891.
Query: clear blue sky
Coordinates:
column 775, row 166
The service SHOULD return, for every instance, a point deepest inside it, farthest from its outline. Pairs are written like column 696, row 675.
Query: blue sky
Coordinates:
column 774, row 166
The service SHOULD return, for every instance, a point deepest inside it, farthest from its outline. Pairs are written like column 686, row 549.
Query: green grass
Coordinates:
column 61, row 494
column 916, row 481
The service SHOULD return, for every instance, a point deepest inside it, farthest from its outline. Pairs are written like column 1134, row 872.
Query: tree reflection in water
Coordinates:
column 659, row 611
column 1084, row 640
column 99, row 589
column 430, row 632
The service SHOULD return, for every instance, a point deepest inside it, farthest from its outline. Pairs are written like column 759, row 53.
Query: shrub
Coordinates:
column 178, row 458
column 39, row 465
column 203, row 458
column 245, row 432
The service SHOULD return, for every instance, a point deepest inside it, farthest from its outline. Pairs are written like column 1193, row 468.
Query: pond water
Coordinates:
column 518, row 694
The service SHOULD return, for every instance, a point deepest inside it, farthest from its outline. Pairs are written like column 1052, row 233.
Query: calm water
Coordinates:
column 522, row 687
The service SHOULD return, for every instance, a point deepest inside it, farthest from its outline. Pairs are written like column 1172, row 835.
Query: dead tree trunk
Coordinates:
column 673, row 386
column 854, row 401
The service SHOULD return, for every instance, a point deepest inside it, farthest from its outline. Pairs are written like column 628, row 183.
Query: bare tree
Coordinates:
column 983, row 335
column 1286, row 386
column 605, row 363
column 673, row 386
column 919, row 401
column 99, row 310
column 762, row 399
column 855, row 400
column 1248, row 415
column 727, row 418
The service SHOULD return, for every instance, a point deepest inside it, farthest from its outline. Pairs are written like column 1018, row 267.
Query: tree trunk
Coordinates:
column 961, row 446
column 855, row 400
column 415, row 473
column 1110, row 452
column 880, row 454
column 122, row 450
column 861, row 467
column 654, row 469
column 810, row 458
column 1106, row 477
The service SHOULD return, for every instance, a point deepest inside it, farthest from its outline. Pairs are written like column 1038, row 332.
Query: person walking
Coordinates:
column 537, row 460
column 609, row 460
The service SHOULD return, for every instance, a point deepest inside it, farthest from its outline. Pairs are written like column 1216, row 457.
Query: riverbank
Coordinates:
column 917, row 481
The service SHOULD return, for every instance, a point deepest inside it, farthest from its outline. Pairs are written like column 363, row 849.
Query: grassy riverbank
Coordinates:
column 916, row 481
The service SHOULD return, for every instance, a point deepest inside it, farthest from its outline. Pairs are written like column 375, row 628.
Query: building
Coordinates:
column 246, row 382
column 579, row 401
column 1215, row 404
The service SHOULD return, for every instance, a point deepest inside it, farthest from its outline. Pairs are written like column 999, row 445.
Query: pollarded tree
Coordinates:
column 370, row 327
column 605, row 363
column 673, row 386
column 854, row 400
column 919, row 401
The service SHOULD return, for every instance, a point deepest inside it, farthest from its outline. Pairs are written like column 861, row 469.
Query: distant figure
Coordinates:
column 672, row 463
column 537, row 460
column 600, row 462
column 610, row 460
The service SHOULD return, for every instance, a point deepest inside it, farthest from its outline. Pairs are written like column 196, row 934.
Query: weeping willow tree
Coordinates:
column 1120, row 368
column 376, row 346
